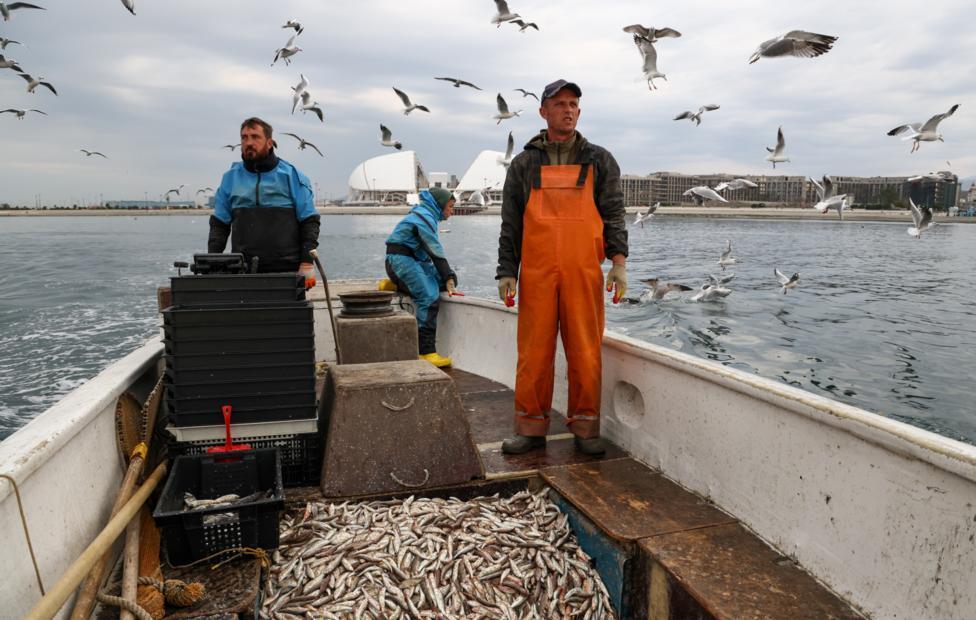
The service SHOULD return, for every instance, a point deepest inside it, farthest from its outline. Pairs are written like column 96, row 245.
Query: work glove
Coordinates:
column 617, row 281
column 506, row 290
column 452, row 289
column 307, row 270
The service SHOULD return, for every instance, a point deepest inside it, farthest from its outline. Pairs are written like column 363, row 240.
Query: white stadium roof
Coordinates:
column 484, row 172
column 399, row 171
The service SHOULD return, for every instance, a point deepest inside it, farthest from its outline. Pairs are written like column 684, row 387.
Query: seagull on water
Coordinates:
column 921, row 218
column 786, row 283
column 130, row 6
column 90, row 153
column 386, row 138
column 650, row 33
column 776, row 154
column 299, row 89
column 829, row 199
column 5, row 42
column 734, row 184
column 33, row 83
column 926, row 132
column 231, row 146
column 794, row 43
column 5, row 8
column 640, row 218
column 702, row 193
column 302, row 143
column 176, row 191
column 10, row 64
column 294, row 23
column 719, row 280
column 526, row 93
column 660, row 289
column 286, row 52
column 696, row 116
column 649, row 54
column 408, row 105
column 522, row 25
column 502, row 14
column 503, row 112
column 458, row 83
column 711, row 292
column 312, row 106
column 727, row 258
column 509, row 148
column 21, row 112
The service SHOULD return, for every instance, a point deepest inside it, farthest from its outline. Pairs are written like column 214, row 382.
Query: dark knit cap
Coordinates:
column 441, row 195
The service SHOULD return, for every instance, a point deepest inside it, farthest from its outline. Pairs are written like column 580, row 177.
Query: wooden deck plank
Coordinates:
column 557, row 453
column 732, row 574
column 629, row 501
column 491, row 416
column 468, row 383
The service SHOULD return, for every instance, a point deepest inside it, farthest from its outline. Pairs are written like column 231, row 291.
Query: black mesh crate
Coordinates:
column 249, row 344
column 205, row 290
column 301, row 463
column 236, row 322
column 191, row 535
column 275, row 361
column 303, row 379
column 213, row 375
column 242, row 414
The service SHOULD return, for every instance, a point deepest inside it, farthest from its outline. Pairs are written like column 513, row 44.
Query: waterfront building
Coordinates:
column 392, row 179
column 485, row 173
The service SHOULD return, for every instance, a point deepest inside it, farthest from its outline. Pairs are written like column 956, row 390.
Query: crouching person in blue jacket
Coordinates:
column 417, row 266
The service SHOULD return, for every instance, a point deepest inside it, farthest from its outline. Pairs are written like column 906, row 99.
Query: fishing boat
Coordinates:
column 722, row 494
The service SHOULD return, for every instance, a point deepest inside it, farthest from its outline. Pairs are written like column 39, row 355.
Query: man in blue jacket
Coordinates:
column 266, row 206
column 417, row 266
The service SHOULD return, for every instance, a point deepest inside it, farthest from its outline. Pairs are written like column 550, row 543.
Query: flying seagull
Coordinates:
column 828, row 197
column 526, row 93
column 696, row 116
column 650, row 33
column 794, row 43
column 502, row 14
column 20, row 112
column 5, row 8
column 727, row 258
column 503, row 112
column 776, row 154
column 130, row 6
column 10, row 64
column 649, row 54
column 90, row 153
column 408, row 105
column 299, row 89
column 312, row 106
column 786, row 283
column 711, row 292
column 5, row 42
column 386, row 138
column 302, row 143
column 205, row 189
column 921, row 219
column 173, row 191
column 33, row 83
column 231, row 146
column 478, row 197
column 702, row 193
column 640, row 218
column 294, row 23
column 931, row 176
column 734, row 184
column 919, row 132
column 522, row 25
column 509, row 148
column 660, row 289
column 719, row 280
column 286, row 52
column 458, row 83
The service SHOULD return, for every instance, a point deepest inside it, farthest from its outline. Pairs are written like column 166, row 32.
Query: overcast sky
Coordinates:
column 160, row 92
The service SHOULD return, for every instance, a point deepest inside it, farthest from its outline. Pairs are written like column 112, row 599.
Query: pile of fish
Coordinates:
column 488, row 557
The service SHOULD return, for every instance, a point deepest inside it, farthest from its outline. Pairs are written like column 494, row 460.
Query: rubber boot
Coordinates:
column 386, row 284
column 437, row 359
column 520, row 444
column 594, row 446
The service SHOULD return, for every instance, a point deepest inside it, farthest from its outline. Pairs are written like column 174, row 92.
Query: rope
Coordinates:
column 407, row 484
column 260, row 554
column 23, row 523
column 130, row 606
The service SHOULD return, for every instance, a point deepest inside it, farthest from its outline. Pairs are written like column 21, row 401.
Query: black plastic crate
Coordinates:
column 238, row 373
column 275, row 361
column 301, row 461
column 193, row 290
column 241, row 344
column 241, row 414
column 269, row 321
column 192, row 535
column 242, row 386
column 240, row 402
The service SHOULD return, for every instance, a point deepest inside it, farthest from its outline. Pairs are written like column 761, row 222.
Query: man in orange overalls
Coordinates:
column 562, row 215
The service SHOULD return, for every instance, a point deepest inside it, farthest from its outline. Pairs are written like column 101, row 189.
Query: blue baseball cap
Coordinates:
column 558, row 85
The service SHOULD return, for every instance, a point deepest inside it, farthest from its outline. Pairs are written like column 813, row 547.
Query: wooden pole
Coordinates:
column 130, row 566
column 48, row 606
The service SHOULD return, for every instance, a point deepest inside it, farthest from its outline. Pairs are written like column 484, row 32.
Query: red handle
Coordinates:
column 510, row 300
column 226, row 409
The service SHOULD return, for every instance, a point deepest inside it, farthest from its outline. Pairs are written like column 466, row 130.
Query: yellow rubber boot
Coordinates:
column 437, row 360
column 386, row 284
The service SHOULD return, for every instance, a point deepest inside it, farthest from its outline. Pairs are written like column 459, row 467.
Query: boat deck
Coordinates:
column 663, row 552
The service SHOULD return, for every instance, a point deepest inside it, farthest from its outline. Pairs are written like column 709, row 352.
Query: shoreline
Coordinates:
column 854, row 215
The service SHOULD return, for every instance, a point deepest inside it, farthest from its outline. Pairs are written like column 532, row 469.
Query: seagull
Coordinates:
column 286, row 52
column 640, row 218
column 478, row 197
column 650, row 33
column 312, row 106
column 299, row 89
column 458, row 83
column 510, row 147
column 784, row 282
column 734, row 184
column 293, row 23
column 5, row 8
column 776, row 154
column 711, row 292
column 408, row 106
column 719, row 280
column 20, row 112
column 90, row 153
column 503, row 112
column 931, row 176
column 231, row 146
column 921, row 218
column 829, row 197
column 924, row 132
column 794, row 43
column 302, row 143
column 526, row 93
column 5, row 42
column 10, row 64
column 522, row 25
column 696, row 116
column 727, row 258
column 649, row 69
column 205, row 189
column 387, row 138
column 660, row 289
column 173, row 191
column 130, row 5
column 702, row 193
column 503, row 14
column 33, row 83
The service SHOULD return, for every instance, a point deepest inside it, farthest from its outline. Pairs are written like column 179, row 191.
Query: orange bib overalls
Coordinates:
column 560, row 289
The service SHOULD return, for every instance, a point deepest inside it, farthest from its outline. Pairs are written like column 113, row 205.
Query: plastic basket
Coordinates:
column 301, row 463
column 204, row 290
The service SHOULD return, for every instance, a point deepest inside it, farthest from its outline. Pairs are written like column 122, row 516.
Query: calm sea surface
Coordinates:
column 880, row 320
